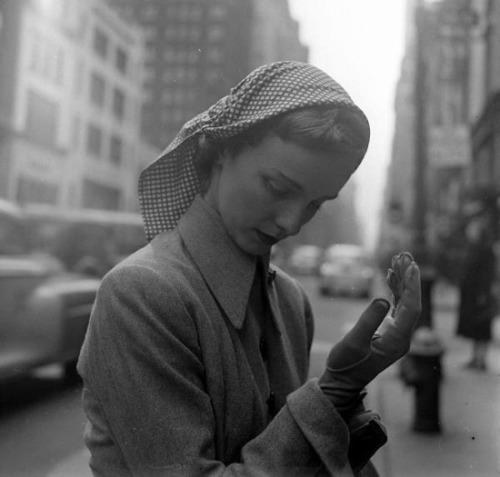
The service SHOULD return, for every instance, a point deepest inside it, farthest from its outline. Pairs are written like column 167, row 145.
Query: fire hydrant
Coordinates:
column 421, row 369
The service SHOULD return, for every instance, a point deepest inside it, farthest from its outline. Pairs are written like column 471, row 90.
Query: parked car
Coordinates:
column 305, row 259
column 86, row 241
column 346, row 270
column 44, row 309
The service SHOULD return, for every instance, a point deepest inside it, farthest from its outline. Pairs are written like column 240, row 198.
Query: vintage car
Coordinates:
column 305, row 260
column 346, row 270
column 44, row 309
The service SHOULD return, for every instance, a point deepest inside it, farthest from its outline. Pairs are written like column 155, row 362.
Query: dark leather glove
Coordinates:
column 361, row 355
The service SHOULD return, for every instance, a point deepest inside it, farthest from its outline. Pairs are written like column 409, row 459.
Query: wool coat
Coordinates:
column 181, row 379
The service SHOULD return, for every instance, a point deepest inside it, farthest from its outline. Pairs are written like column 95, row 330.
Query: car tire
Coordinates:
column 323, row 291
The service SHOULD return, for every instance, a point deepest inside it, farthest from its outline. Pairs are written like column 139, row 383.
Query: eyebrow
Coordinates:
column 296, row 185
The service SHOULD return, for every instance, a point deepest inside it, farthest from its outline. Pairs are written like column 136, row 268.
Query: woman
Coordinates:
column 197, row 354
column 477, row 301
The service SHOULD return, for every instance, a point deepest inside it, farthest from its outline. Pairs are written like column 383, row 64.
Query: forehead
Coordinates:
column 321, row 171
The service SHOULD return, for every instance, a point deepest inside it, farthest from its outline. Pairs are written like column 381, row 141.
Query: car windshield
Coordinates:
column 351, row 255
column 348, row 261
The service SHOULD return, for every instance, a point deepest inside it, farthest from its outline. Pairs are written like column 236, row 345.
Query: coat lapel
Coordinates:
column 226, row 269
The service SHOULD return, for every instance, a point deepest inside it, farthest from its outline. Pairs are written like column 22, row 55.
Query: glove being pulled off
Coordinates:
column 362, row 354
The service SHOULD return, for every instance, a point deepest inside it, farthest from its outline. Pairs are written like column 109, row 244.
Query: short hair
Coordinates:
column 333, row 129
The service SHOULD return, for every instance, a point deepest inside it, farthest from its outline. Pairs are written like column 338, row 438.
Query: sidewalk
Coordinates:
column 469, row 444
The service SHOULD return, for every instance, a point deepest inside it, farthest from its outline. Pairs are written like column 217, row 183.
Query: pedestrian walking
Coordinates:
column 197, row 352
column 477, row 306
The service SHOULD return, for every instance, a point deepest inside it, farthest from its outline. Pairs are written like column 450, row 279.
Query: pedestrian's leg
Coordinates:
column 472, row 363
column 481, row 352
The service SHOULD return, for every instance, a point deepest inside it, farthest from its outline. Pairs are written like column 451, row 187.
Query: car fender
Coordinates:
column 57, row 314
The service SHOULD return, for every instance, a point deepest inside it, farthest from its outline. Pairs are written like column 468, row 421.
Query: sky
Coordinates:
column 360, row 43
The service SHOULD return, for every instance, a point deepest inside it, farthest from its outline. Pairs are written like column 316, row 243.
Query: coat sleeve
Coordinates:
column 148, row 410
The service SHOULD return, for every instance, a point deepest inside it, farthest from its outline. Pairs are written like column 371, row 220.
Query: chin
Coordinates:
column 255, row 249
column 252, row 247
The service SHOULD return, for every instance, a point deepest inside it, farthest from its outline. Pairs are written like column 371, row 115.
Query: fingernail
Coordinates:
column 383, row 302
column 413, row 270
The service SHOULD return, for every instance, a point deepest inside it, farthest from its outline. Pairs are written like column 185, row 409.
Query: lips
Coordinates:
column 267, row 239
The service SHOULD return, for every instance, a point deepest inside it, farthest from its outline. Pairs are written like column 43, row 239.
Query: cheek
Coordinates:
column 245, row 203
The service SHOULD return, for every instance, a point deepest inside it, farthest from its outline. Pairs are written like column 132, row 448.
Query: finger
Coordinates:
column 369, row 321
column 402, row 262
column 393, row 284
column 407, row 257
column 410, row 303
column 391, row 280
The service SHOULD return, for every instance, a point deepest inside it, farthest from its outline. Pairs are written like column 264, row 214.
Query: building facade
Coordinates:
column 459, row 103
column 71, row 105
column 274, row 34
column 485, row 131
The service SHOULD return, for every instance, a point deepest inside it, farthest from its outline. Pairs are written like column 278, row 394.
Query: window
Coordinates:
column 150, row 11
column 76, row 132
column 116, row 150
column 41, row 119
column 59, row 65
column 167, row 96
column 97, row 89
column 79, row 78
column 36, row 52
column 149, row 31
column 118, row 104
column 97, row 196
column 217, row 11
column 121, row 60
column 46, row 58
column 215, row 33
column 100, row 43
column 168, row 54
column 31, row 190
column 215, row 55
column 94, row 140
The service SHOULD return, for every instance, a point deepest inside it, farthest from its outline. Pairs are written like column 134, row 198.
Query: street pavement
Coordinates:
column 469, row 444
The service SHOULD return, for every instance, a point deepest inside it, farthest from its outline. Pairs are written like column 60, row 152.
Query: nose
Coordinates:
column 289, row 220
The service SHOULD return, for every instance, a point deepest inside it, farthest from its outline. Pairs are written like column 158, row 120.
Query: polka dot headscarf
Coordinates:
column 168, row 186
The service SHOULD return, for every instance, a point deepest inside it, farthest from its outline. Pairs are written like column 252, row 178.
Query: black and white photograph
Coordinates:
column 249, row 238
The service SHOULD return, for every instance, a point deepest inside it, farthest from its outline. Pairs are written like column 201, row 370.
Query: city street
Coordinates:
column 41, row 421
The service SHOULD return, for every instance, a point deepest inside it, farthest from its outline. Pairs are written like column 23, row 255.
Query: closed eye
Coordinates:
column 314, row 206
column 277, row 188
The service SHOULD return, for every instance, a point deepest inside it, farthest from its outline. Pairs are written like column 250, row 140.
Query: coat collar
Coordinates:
column 228, row 271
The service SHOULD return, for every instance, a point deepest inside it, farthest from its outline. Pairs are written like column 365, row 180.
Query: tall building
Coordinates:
column 274, row 34
column 70, row 99
column 196, row 50
column 485, row 135
column 395, row 232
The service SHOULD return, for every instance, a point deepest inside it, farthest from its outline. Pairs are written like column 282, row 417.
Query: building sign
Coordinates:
column 449, row 146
